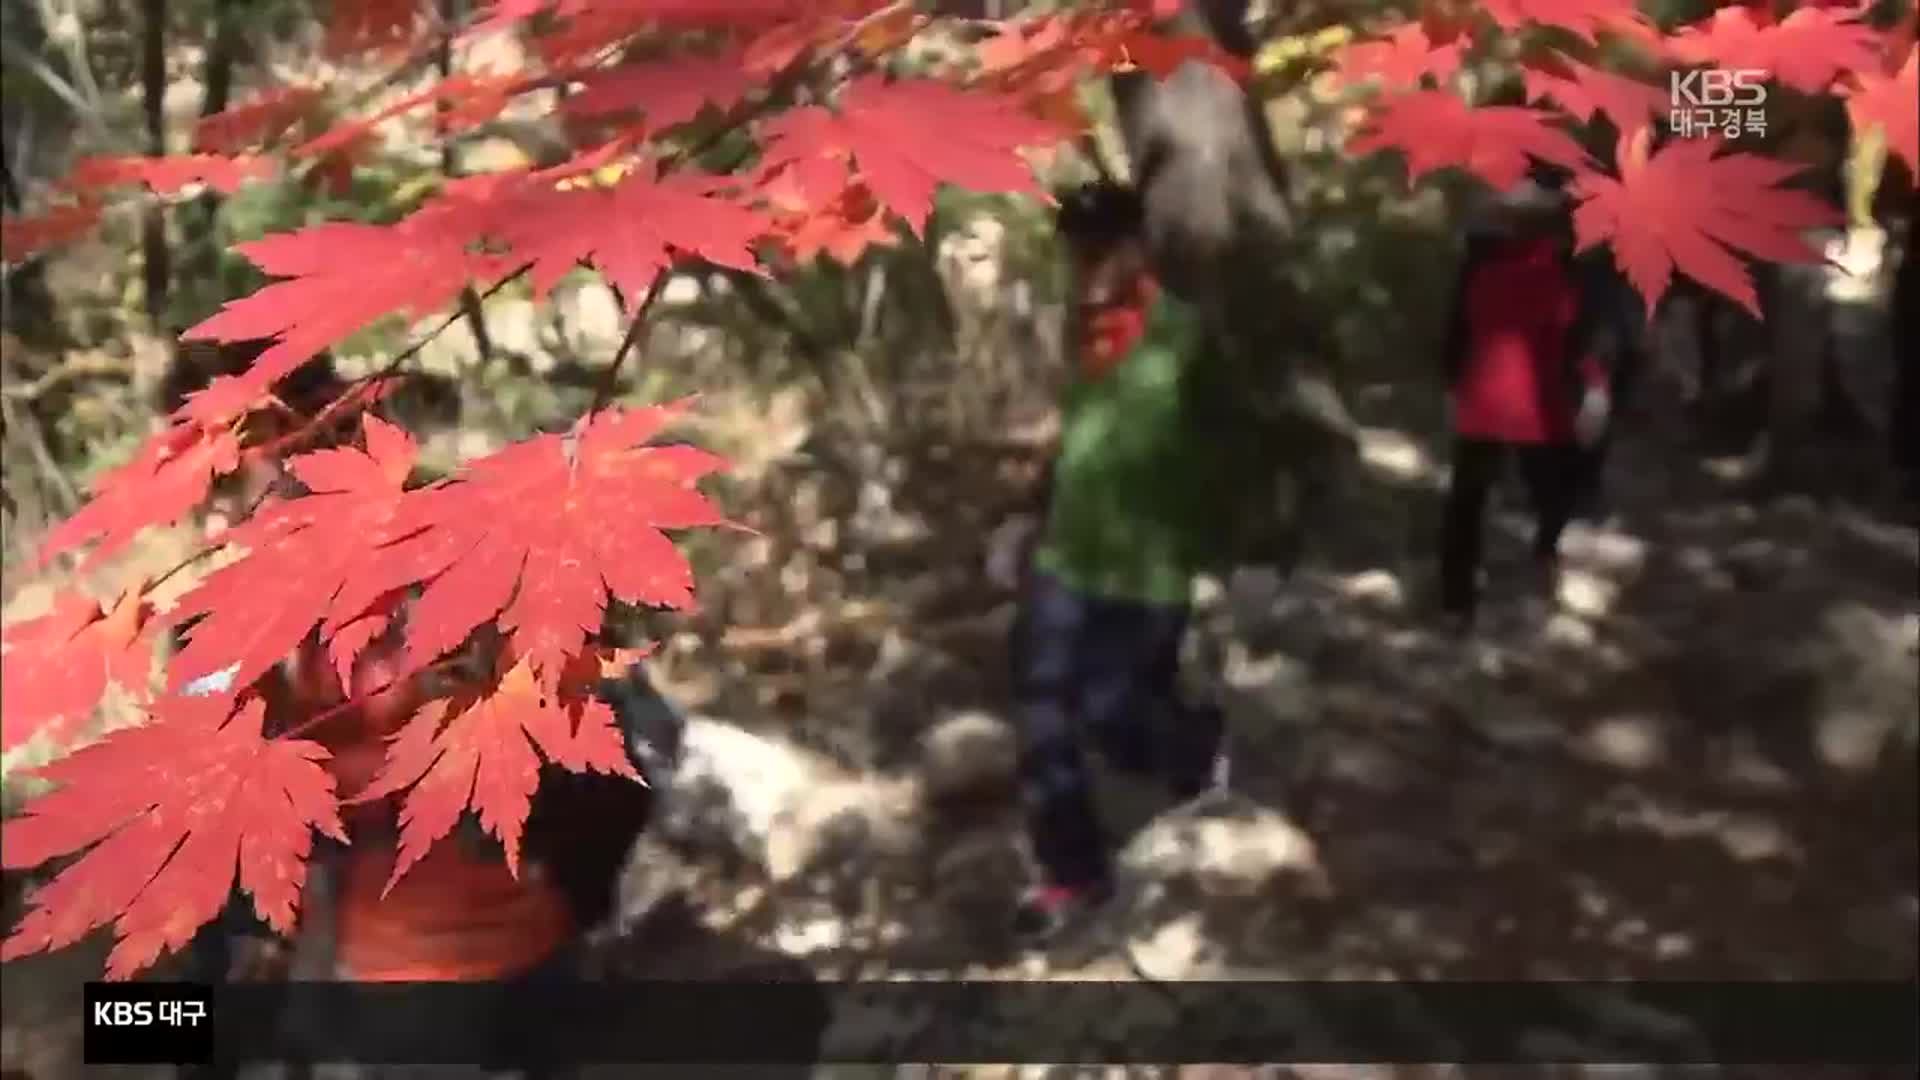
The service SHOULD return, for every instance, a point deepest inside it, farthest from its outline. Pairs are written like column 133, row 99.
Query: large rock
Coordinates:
column 768, row 802
column 1211, row 880
column 1868, row 667
column 971, row 754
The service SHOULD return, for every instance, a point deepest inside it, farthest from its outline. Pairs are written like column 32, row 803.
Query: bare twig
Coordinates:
column 43, row 459
column 324, row 715
column 351, row 396
column 449, row 167
column 79, row 368
column 83, row 110
column 610, row 378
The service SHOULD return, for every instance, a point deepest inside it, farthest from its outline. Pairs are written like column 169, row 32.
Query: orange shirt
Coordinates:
column 456, row 915
column 453, row 916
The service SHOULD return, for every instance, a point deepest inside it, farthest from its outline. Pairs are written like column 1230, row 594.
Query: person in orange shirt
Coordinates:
column 457, row 915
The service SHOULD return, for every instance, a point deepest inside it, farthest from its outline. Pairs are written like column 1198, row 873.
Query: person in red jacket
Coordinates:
column 1524, row 381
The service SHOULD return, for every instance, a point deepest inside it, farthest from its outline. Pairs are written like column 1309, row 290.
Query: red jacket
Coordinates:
column 1510, row 355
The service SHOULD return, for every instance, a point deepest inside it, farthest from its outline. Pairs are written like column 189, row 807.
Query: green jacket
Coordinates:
column 1156, row 464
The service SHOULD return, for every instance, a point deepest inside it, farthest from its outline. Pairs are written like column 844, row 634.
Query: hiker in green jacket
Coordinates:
column 1157, row 465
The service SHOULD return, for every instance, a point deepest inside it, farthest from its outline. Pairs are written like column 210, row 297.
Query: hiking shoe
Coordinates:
column 1045, row 912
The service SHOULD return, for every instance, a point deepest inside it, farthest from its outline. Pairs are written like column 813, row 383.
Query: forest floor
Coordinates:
column 1698, row 763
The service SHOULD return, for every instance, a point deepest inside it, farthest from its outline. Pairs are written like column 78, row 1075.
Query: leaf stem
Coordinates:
column 610, row 378
column 332, row 711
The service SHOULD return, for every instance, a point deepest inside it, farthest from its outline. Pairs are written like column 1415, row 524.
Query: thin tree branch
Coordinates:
column 610, row 378
column 469, row 300
column 42, row 455
column 79, row 368
column 88, row 116
column 157, row 259
column 352, row 395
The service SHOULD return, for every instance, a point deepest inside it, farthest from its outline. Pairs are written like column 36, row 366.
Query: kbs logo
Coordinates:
column 123, row 1013
column 1717, row 88
column 1717, row 101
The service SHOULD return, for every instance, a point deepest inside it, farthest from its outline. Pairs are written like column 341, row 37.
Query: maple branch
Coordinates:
column 469, row 299
column 611, row 377
column 439, row 38
column 352, row 394
column 210, row 547
column 330, row 712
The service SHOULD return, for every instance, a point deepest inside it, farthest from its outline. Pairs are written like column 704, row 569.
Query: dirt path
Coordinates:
column 1700, row 765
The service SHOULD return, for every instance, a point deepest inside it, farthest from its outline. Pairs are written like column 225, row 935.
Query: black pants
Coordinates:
column 1553, row 475
column 1111, row 667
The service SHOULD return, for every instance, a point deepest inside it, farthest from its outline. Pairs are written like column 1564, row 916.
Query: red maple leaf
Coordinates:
column 667, row 92
column 305, row 557
column 169, row 809
column 587, row 28
column 1160, row 55
column 1806, row 51
column 1401, row 60
column 1016, row 44
column 1687, row 209
column 1435, row 129
column 903, row 157
column 542, row 532
column 341, row 276
column 630, row 231
column 23, row 237
column 260, row 120
column 467, row 100
column 169, row 476
column 478, row 750
column 168, row 175
column 1584, row 18
column 1894, row 104
column 1038, row 54
column 362, row 25
column 1584, row 91
column 843, row 227
column 55, row 668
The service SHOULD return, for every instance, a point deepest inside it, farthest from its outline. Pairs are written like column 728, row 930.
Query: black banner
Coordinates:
column 147, row 1023
column 552, row 1024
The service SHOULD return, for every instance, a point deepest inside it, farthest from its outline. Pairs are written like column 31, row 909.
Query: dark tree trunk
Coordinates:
column 1222, row 229
column 470, row 306
column 153, row 225
column 1223, row 234
column 223, row 48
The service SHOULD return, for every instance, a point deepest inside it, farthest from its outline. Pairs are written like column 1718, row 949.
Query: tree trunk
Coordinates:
column 1221, row 228
column 153, row 224
column 470, row 306
column 223, row 47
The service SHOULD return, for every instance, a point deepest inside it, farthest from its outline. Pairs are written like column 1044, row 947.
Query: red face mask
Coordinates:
column 1115, row 327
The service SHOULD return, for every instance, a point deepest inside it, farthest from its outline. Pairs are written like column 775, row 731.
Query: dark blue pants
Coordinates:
column 1106, row 668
